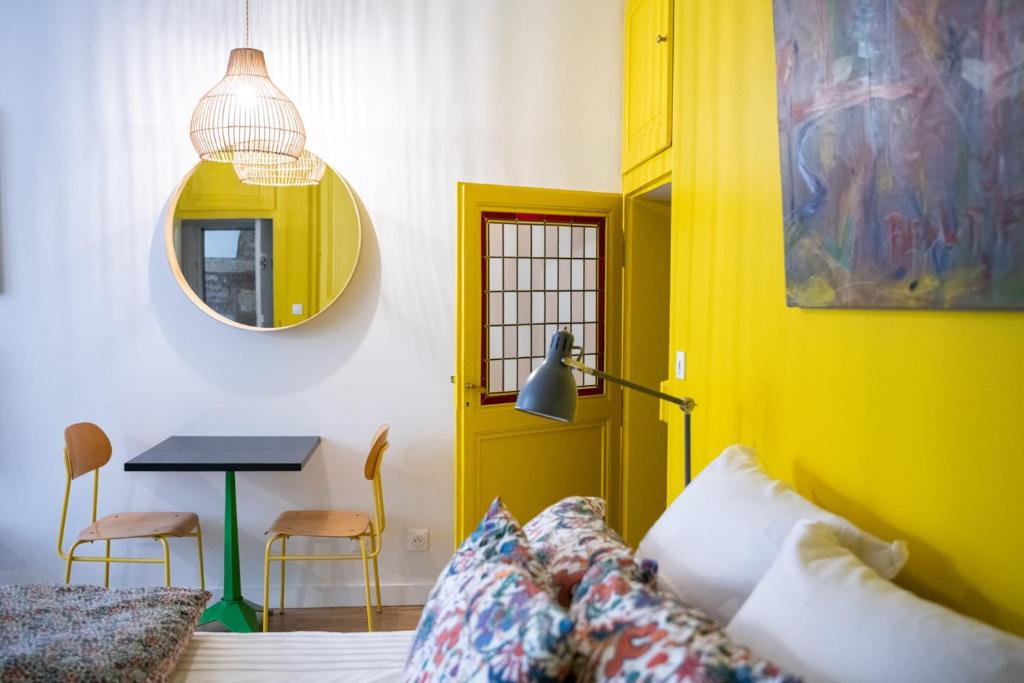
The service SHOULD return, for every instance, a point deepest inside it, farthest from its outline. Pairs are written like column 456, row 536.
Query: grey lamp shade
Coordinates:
column 550, row 390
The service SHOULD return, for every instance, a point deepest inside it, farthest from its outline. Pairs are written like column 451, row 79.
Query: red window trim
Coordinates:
column 535, row 218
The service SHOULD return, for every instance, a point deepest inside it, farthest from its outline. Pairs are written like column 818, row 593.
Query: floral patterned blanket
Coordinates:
column 88, row 633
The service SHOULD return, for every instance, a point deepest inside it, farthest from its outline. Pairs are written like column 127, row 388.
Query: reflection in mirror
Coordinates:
column 258, row 256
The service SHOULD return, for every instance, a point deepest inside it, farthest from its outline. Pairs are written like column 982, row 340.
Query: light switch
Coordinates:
column 296, row 309
column 680, row 364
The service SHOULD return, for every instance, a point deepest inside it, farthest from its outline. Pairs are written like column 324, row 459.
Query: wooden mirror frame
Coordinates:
column 179, row 276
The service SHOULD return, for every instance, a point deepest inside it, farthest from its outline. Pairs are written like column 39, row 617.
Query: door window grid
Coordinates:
column 540, row 273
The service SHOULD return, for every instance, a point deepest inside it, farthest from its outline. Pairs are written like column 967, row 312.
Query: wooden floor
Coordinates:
column 393, row 618
column 342, row 619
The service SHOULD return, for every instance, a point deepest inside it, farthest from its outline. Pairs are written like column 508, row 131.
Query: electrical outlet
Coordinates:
column 680, row 364
column 417, row 540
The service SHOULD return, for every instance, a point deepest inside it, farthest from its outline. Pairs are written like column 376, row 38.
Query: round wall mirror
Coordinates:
column 260, row 256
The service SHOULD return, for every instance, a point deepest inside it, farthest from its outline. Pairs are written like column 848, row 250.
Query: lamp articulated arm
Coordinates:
column 685, row 403
column 550, row 391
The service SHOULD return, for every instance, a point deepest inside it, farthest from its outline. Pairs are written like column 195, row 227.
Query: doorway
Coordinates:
column 532, row 261
column 646, row 356
column 228, row 264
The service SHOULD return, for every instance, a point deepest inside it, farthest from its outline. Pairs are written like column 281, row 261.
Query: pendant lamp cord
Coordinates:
column 247, row 23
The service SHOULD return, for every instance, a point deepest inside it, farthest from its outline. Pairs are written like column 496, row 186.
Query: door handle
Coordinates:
column 467, row 385
column 660, row 38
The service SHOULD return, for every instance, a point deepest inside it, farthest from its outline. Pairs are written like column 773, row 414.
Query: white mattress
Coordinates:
column 295, row 657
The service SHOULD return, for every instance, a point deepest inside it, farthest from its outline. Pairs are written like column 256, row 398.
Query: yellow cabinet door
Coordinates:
column 530, row 262
column 647, row 97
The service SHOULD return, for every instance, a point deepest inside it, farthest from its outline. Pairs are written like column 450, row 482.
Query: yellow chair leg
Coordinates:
column 376, row 569
column 106, row 567
column 376, row 579
column 366, row 583
column 167, row 560
column 266, row 583
column 284, row 551
column 71, row 557
column 199, row 547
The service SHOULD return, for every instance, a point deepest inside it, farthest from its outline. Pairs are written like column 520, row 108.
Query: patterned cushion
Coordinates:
column 568, row 537
column 490, row 616
column 88, row 633
column 628, row 630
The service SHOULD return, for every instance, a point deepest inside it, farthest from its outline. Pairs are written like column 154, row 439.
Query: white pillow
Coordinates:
column 718, row 538
column 821, row 613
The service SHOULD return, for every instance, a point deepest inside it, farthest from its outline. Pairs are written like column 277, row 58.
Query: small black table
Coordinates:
column 228, row 454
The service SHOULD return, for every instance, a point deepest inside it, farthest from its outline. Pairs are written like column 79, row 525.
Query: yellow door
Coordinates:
column 530, row 262
column 647, row 106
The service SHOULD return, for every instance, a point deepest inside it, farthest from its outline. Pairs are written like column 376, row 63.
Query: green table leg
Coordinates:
column 234, row 611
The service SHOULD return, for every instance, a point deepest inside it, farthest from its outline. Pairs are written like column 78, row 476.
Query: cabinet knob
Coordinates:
column 660, row 38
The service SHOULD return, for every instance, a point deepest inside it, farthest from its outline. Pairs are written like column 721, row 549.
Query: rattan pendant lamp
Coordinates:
column 245, row 118
column 308, row 169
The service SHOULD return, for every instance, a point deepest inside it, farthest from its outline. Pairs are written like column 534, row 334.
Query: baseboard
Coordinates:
column 334, row 595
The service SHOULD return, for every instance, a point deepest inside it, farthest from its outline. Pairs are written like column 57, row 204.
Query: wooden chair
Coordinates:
column 347, row 524
column 87, row 449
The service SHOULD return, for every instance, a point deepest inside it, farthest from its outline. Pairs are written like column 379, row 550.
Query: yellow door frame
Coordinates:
column 633, row 260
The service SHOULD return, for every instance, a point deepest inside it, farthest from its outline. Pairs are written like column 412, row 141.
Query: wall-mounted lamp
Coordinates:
column 550, row 390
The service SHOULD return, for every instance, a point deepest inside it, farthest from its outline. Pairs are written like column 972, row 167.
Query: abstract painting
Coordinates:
column 901, row 130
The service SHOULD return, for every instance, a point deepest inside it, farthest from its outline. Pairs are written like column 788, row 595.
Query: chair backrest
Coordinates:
column 376, row 454
column 87, row 448
column 372, row 472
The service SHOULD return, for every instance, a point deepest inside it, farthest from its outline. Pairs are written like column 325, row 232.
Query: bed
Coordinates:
column 81, row 632
column 740, row 579
column 299, row 657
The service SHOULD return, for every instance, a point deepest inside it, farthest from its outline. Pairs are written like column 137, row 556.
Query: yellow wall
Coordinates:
column 909, row 423
column 338, row 246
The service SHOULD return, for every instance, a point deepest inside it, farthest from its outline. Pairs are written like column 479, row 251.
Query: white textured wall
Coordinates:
column 404, row 99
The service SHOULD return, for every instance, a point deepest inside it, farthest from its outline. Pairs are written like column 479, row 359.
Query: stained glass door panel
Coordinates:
column 540, row 273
